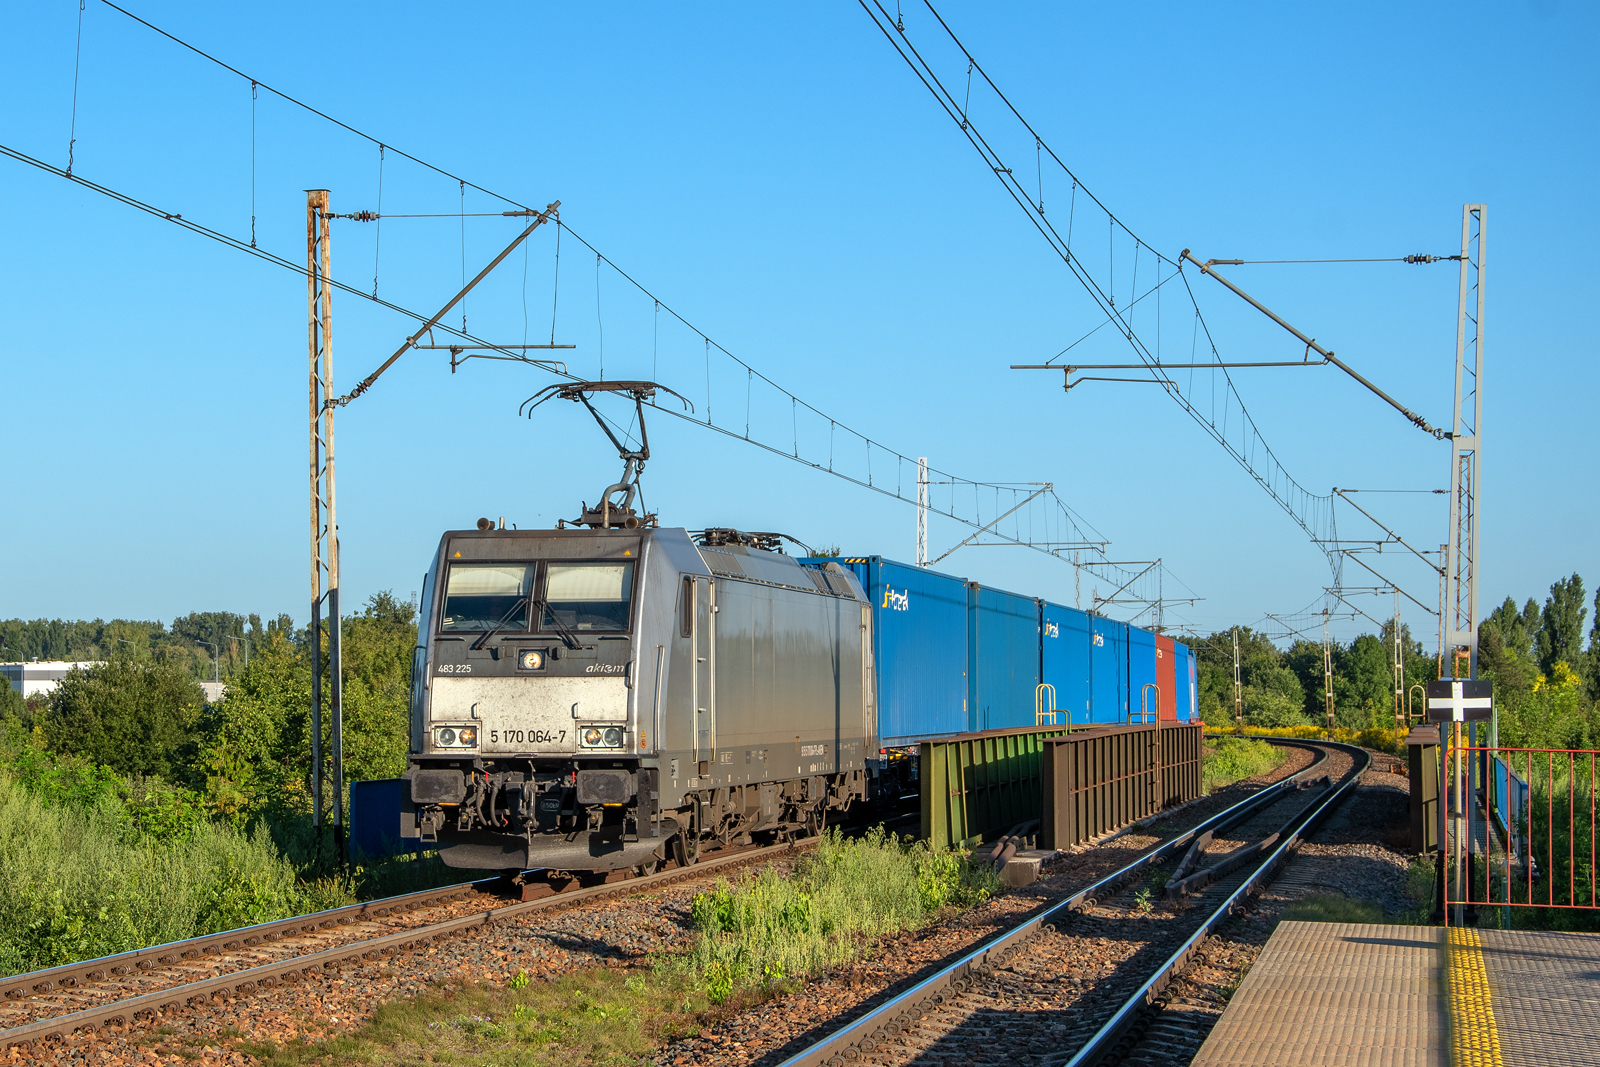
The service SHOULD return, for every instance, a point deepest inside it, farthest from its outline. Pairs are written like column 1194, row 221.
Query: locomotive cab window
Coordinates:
column 487, row 596
column 591, row 597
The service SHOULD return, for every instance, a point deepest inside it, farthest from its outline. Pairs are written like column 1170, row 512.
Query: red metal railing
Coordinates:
column 1522, row 827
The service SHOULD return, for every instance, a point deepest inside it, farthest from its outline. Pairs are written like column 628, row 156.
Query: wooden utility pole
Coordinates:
column 324, row 522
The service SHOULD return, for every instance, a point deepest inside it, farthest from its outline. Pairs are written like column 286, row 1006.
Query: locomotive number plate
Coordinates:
column 527, row 737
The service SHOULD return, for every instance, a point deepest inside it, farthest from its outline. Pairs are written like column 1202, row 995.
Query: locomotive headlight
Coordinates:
column 613, row 738
column 530, row 659
column 592, row 738
column 455, row 737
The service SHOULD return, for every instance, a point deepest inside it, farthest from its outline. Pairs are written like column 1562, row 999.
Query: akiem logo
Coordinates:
column 894, row 601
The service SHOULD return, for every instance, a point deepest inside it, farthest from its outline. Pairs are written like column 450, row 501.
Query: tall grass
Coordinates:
column 78, row 881
column 769, row 927
column 1233, row 758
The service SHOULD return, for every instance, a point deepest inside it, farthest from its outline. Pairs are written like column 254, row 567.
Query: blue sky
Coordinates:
column 778, row 176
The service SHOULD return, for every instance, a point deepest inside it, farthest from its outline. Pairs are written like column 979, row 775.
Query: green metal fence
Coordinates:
column 1100, row 780
column 977, row 786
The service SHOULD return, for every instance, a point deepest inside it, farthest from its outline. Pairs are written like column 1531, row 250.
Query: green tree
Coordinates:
column 256, row 747
column 12, row 707
column 256, row 750
column 1363, row 683
column 135, row 718
column 1517, row 630
column 1305, row 659
column 1511, row 668
column 1560, row 637
column 1590, row 667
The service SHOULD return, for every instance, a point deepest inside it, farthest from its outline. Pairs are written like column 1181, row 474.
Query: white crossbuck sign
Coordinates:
column 1460, row 700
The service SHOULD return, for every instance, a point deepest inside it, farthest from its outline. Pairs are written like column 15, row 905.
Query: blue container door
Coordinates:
column 1003, row 657
column 920, row 644
column 1141, row 672
column 1064, row 656
column 1108, row 670
column 1183, row 670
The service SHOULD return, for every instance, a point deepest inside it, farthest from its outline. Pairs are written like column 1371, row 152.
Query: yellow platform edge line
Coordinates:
column 1474, row 1041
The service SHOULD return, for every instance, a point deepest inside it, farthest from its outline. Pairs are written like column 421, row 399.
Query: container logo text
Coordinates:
column 894, row 601
column 1052, row 629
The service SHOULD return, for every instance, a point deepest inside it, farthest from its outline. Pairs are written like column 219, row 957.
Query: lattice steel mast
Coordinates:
column 1460, row 621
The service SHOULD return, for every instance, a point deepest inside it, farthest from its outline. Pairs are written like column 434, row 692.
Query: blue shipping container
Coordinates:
column 1108, row 670
column 1064, row 643
column 1002, row 658
column 375, row 819
column 920, row 645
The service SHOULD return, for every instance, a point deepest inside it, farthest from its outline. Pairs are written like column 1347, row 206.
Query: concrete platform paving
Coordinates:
column 1355, row 995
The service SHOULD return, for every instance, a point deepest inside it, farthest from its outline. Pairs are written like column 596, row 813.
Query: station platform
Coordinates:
column 1353, row 995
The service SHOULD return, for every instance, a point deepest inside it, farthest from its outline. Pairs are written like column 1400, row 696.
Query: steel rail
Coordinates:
column 76, row 975
column 1124, row 1017
column 290, row 969
column 866, row 1032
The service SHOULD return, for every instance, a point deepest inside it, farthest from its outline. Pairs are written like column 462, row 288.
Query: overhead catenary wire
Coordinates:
column 253, row 181
column 555, row 287
column 377, row 239
column 753, row 376
column 77, row 62
column 1311, row 511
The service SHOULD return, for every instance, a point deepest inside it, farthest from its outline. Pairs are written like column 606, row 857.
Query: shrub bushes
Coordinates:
column 117, row 873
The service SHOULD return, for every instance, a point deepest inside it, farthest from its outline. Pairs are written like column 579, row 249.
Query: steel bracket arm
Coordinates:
column 1391, row 582
column 1343, row 495
column 988, row 525
column 1311, row 345
column 411, row 342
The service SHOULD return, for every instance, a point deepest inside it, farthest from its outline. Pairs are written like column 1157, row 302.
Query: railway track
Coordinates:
column 1075, row 984
column 112, row 983
column 24, row 991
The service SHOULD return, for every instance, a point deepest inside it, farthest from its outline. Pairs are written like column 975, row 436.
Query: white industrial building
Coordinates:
column 39, row 676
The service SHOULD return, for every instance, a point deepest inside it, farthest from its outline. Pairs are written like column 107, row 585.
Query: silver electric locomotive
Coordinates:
column 617, row 695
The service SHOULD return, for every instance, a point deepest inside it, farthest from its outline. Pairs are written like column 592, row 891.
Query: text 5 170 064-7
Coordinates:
column 524, row 737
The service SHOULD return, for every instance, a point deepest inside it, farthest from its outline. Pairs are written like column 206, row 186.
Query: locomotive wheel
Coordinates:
column 686, row 844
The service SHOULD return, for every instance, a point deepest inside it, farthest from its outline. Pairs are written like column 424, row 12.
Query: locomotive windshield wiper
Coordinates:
column 568, row 638
column 497, row 627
